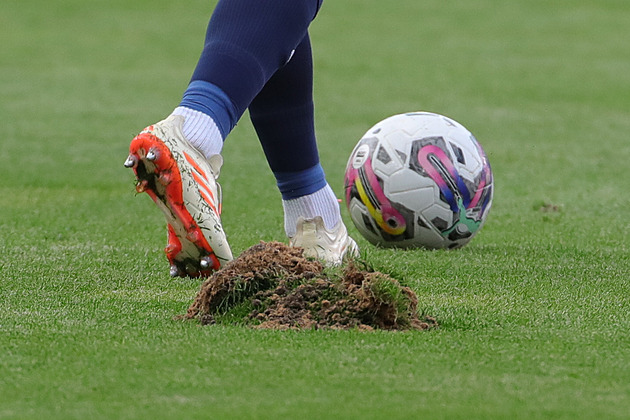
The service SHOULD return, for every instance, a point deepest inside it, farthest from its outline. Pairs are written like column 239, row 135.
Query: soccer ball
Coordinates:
column 418, row 180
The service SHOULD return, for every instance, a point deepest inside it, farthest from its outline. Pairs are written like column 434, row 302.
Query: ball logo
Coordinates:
column 361, row 155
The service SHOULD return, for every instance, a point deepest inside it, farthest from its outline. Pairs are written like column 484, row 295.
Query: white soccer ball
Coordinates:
column 418, row 180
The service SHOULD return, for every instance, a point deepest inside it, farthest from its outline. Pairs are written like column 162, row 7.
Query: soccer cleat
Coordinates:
column 182, row 183
column 318, row 242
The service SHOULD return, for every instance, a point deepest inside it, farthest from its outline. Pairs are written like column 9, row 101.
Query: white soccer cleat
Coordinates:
column 318, row 242
column 182, row 183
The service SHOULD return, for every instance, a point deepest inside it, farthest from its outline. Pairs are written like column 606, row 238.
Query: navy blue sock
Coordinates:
column 244, row 64
column 283, row 116
column 247, row 41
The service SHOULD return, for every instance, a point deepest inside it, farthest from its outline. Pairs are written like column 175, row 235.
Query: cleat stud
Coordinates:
column 141, row 186
column 151, row 155
column 174, row 272
column 204, row 263
column 131, row 161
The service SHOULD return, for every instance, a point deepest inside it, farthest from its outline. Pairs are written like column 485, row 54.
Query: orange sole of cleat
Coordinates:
column 160, row 178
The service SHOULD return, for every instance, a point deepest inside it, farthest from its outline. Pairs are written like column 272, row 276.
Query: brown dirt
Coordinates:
column 288, row 291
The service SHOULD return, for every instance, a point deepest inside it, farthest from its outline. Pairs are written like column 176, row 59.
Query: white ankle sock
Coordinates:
column 201, row 131
column 321, row 203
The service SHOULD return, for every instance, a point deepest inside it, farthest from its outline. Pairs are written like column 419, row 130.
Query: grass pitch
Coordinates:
column 534, row 314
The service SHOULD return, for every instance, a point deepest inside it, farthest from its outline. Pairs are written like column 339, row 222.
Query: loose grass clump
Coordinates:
column 285, row 290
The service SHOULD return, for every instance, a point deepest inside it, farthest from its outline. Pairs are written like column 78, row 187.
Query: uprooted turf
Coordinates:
column 285, row 290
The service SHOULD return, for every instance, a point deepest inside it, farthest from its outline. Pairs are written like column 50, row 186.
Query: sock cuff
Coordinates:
column 298, row 184
column 201, row 131
column 320, row 203
column 209, row 99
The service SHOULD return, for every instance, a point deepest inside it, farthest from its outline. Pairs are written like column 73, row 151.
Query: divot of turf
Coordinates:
column 288, row 291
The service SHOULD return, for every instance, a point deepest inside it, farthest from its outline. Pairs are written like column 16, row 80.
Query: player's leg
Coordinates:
column 283, row 116
column 246, row 42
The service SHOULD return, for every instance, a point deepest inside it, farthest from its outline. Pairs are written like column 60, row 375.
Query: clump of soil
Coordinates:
column 285, row 290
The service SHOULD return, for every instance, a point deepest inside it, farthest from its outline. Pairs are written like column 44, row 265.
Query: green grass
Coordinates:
column 534, row 313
